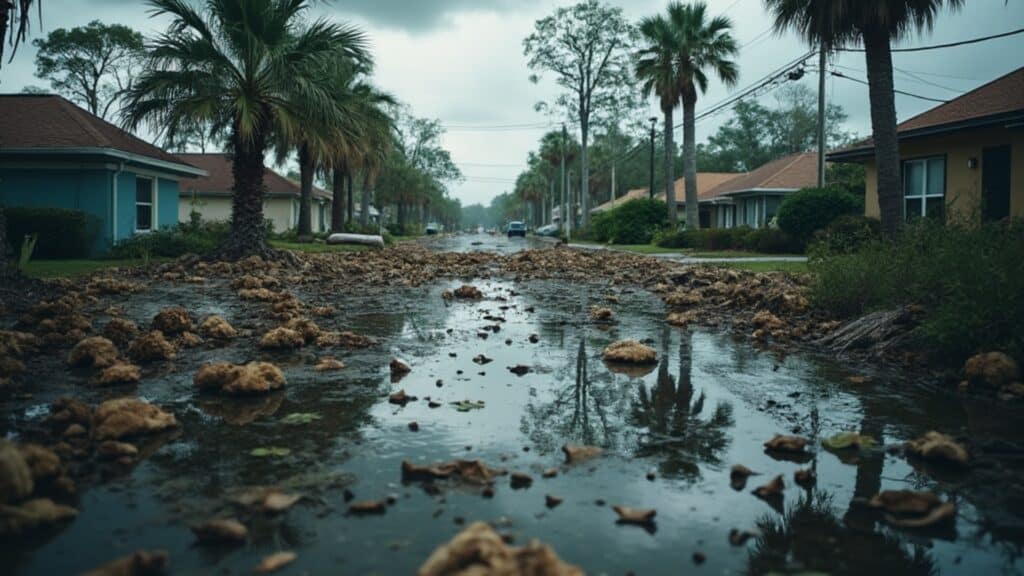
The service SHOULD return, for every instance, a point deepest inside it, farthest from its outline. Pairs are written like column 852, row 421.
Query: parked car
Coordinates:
column 516, row 228
column 549, row 230
column 432, row 228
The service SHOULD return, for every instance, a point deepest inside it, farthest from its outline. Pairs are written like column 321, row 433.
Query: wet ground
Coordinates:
column 671, row 434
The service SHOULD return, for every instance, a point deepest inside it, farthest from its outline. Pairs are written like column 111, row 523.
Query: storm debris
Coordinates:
column 112, row 450
column 992, row 370
column 848, row 440
column 552, row 501
column 140, row 563
column 217, row 328
column 602, row 315
column 120, row 330
column 805, row 477
column 123, row 417
column 520, row 480
column 151, row 347
column 172, row 321
column 575, row 454
column 269, row 499
column 221, row 531
column 281, row 338
column 119, row 373
column 275, row 562
column 772, row 489
column 93, row 352
column 938, row 447
column 519, row 369
column 781, row 443
column 239, row 379
column 328, row 365
column 467, row 292
column 479, row 550
column 472, row 471
column 400, row 398
column 15, row 475
column 738, row 476
column 399, row 367
column 368, row 507
column 32, row 514
column 639, row 516
column 909, row 509
column 630, row 352
column 481, row 359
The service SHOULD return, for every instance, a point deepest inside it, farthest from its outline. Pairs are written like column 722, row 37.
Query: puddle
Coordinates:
column 670, row 435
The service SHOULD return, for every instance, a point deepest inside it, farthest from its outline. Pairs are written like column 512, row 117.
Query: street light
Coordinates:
column 650, row 191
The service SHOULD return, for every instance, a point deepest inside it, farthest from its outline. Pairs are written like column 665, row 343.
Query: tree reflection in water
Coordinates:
column 671, row 418
column 809, row 536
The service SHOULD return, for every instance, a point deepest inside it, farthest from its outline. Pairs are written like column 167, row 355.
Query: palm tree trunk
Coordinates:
column 364, row 203
column 878, row 55
column 306, row 168
column 248, row 234
column 690, row 163
column 348, row 197
column 670, row 184
column 338, row 197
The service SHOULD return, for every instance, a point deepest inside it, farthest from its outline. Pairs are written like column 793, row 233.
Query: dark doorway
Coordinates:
column 995, row 183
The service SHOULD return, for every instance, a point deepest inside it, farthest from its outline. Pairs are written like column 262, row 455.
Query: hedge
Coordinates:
column 766, row 240
column 62, row 233
column 811, row 209
column 635, row 222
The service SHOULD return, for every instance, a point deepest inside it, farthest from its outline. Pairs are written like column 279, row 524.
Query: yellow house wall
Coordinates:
column 963, row 184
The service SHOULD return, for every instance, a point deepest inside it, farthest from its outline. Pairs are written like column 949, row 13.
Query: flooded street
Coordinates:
column 670, row 433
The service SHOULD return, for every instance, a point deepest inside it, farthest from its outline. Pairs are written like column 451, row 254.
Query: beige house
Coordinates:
column 211, row 195
column 963, row 159
column 753, row 199
column 706, row 182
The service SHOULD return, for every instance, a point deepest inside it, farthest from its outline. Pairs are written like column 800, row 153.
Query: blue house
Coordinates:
column 55, row 154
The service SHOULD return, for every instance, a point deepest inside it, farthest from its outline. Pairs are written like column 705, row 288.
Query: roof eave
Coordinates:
column 177, row 169
column 1011, row 119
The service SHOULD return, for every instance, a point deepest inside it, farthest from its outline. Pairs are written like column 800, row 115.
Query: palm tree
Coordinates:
column 705, row 45
column 656, row 67
column 253, row 69
column 831, row 24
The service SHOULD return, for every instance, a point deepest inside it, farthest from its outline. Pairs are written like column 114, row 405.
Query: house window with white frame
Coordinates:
column 144, row 204
column 924, row 187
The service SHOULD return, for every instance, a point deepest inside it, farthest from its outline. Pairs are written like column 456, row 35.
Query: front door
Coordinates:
column 995, row 183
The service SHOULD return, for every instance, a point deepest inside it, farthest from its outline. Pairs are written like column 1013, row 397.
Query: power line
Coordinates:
column 947, row 45
column 911, row 77
column 911, row 94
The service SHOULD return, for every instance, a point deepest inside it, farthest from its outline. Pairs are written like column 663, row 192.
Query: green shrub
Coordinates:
column 845, row 235
column 772, row 241
column 635, row 222
column 63, row 234
column 806, row 211
column 187, row 238
column 967, row 279
column 766, row 240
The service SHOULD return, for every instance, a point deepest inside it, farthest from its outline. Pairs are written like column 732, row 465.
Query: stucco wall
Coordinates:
column 963, row 184
column 85, row 190
column 281, row 211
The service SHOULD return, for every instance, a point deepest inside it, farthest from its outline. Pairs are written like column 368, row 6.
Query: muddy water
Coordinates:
column 671, row 434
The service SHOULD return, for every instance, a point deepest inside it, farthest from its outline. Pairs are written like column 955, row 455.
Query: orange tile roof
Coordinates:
column 791, row 172
column 706, row 181
column 220, row 180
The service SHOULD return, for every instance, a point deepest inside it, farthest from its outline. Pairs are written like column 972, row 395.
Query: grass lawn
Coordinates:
column 652, row 249
column 317, row 247
column 72, row 268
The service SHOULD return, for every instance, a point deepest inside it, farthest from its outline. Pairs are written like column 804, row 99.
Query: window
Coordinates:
column 143, row 204
column 924, row 187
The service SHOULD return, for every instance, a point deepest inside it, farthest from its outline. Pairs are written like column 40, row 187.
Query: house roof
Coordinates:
column 706, row 182
column 219, row 180
column 791, row 172
column 998, row 101
column 34, row 124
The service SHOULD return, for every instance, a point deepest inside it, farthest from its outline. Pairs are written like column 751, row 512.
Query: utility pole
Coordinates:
column 650, row 190
column 613, row 181
column 563, row 206
column 571, row 212
column 821, row 116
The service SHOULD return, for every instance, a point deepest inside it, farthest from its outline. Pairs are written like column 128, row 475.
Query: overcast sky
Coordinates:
column 461, row 61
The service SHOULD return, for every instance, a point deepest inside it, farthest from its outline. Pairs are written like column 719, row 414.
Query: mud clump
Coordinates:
column 480, row 550
column 140, row 563
column 938, row 447
column 221, row 531
column 467, row 292
column 151, row 347
column 93, row 352
column 217, row 328
column 120, row 331
column 329, row 365
column 282, row 338
column 399, row 367
column 630, row 352
column 992, row 370
column 470, row 471
column 305, row 327
column 16, row 480
column 172, row 321
column 120, row 373
column 250, row 378
column 576, row 454
column 125, row 417
column 602, row 315
column 33, row 514
column 790, row 444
